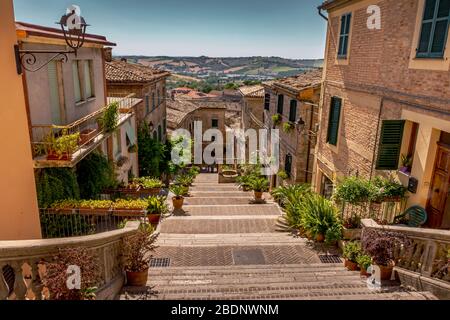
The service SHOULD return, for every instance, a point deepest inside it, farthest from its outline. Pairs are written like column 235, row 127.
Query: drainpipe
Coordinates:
column 376, row 138
column 321, row 14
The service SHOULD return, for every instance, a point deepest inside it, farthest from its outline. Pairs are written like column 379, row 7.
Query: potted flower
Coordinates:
column 136, row 254
column 149, row 186
column 381, row 246
column 259, row 186
column 388, row 190
column 352, row 251
column 364, row 262
column 184, row 180
column 406, row 164
column 130, row 207
column 65, row 206
column 157, row 206
column 95, row 206
column 179, row 192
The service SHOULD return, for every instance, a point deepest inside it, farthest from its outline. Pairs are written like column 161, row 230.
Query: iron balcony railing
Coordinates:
column 55, row 143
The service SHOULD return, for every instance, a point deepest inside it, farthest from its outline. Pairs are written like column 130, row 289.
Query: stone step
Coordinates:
column 220, row 194
column 232, row 210
column 209, row 226
column 204, row 188
column 215, row 201
column 249, row 239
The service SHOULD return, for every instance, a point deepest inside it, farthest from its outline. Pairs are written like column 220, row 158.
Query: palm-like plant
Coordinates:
column 179, row 191
column 259, row 184
column 292, row 194
column 157, row 205
column 320, row 217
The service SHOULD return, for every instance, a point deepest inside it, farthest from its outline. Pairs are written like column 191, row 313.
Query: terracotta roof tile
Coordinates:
column 300, row 82
column 252, row 91
column 125, row 72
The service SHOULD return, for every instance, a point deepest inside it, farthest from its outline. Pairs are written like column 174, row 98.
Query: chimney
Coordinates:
column 108, row 54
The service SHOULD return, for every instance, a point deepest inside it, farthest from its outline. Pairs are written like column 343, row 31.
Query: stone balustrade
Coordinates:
column 24, row 260
column 424, row 263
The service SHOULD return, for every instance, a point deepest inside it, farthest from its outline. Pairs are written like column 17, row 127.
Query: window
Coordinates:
column 147, row 104
column 87, row 74
column 293, row 111
column 288, row 165
column 390, row 144
column 280, row 104
column 159, row 133
column 155, row 135
column 55, row 101
column 117, row 145
column 433, row 36
column 164, row 126
column 344, row 35
column 267, row 102
column 333, row 123
column 153, row 101
column 215, row 123
column 76, row 81
column 327, row 187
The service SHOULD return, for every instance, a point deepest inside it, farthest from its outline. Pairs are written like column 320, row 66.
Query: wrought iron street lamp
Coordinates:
column 73, row 27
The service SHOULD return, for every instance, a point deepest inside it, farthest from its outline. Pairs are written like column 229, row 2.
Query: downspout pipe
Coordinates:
column 319, row 9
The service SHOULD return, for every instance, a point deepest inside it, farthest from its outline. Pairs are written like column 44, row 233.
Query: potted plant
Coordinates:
column 179, row 192
column 65, row 206
column 55, row 277
column 352, row 228
column 109, row 120
column 320, row 219
column 364, row 262
column 95, row 206
column 352, row 251
column 406, row 161
column 259, row 186
column 276, row 119
column 149, row 186
column 130, row 207
column 283, row 175
column 381, row 246
column 388, row 190
column 244, row 181
column 354, row 190
column 157, row 207
column 63, row 147
column 136, row 254
column 184, row 180
column 288, row 127
column 87, row 135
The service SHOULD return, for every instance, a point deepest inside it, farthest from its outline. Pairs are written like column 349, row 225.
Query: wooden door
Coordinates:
column 439, row 188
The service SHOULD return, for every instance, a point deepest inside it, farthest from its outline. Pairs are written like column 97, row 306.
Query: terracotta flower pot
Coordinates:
column 154, row 218
column 178, row 202
column 258, row 195
column 320, row 238
column 351, row 266
column 137, row 279
column 386, row 272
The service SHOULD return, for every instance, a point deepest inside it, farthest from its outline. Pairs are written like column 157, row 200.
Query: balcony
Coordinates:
column 65, row 146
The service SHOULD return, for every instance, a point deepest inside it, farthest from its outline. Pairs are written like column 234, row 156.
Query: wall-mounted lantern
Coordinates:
column 73, row 27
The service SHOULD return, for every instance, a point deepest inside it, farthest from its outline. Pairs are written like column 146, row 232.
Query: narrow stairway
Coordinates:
column 224, row 247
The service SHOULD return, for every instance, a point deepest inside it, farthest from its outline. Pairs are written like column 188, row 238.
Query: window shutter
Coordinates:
column 344, row 35
column 333, row 124
column 390, row 144
column 76, row 81
column 267, row 102
column 280, row 104
column 293, row 111
column 87, row 79
column 54, row 93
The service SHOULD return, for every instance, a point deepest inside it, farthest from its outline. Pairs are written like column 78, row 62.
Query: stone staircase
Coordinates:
column 223, row 247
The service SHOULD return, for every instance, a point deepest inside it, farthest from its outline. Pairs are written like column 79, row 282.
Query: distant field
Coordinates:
column 282, row 69
column 178, row 77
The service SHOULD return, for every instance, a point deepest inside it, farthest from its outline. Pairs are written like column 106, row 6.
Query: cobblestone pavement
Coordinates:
column 222, row 247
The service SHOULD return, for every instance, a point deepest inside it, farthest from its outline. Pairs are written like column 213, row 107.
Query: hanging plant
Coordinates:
column 288, row 127
column 276, row 119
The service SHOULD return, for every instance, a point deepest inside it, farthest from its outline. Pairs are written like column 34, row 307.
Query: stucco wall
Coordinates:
column 39, row 91
column 19, row 217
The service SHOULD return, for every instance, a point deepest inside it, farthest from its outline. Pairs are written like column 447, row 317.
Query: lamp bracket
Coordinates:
column 26, row 59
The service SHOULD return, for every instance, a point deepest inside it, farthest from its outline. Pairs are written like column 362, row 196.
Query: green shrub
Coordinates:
column 56, row 184
column 179, row 191
column 354, row 190
column 364, row 261
column 157, row 205
column 110, row 117
column 352, row 251
column 319, row 215
column 148, row 183
column 259, row 184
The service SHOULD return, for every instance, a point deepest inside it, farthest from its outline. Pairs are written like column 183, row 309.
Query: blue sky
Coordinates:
column 218, row 28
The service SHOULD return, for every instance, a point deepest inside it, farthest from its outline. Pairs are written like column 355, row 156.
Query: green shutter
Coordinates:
column 280, row 104
column 390, row 144
column 333, row 123
column 293, row 111
column 267, row 102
